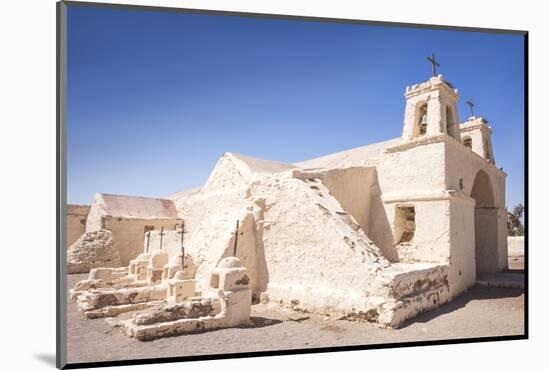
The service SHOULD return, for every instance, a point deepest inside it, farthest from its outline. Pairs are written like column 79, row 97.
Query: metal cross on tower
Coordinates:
column 236, row 233
column 182, row 231
column 434, row 64
column 161, row 235
column 471, row 105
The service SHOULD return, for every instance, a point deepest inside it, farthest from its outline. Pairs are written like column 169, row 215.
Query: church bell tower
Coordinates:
column 431, row 109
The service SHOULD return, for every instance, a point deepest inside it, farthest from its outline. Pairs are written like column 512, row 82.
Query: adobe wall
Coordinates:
column 463, row 166
column 412, row 174
column 463, row 163
column 358, row 192
column 405, row 182
column 413, row 168
column 129, row 233
column 127, row 216
column 76, row 222
column 431, row 242
column 318, row 257
column 462, row 271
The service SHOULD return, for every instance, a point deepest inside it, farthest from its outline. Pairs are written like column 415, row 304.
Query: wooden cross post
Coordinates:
column 148, row 238
column 236, row 233
column 471, row 105
column 434, row 64
column 161, row 235
column 182, row 231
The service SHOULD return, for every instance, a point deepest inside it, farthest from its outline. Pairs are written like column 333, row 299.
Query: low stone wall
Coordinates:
column 516, row 246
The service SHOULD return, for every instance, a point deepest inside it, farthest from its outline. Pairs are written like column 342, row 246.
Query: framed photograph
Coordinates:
column 235, row 184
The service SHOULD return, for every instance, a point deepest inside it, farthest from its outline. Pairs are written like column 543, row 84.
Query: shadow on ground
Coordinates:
column 260, row 322
column 477, row 293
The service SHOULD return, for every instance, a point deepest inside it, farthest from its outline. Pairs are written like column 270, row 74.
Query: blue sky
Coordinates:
column 154, row 98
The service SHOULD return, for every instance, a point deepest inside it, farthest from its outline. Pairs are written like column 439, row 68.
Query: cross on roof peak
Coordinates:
column 471, row 105
column 434, row 64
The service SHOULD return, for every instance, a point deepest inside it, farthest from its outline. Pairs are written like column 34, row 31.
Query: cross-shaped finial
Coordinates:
column 161, row 235
column 434, row 64
column 236, row 233
column 471, row 105
column 147, row 230
column 182, row 231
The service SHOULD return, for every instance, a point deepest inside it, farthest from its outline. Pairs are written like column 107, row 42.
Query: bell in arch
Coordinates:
column 423, row 121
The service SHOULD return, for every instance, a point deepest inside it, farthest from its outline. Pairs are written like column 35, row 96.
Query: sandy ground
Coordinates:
column 480, row 312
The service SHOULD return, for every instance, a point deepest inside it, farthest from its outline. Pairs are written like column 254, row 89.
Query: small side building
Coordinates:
column 128, row 218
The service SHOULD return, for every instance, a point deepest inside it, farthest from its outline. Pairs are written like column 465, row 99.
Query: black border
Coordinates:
column 61, row 184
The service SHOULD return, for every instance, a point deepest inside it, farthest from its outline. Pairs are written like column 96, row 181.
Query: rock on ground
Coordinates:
column 93, row 249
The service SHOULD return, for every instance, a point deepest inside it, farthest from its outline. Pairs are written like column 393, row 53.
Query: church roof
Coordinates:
column 137, row 207
column 352, row 157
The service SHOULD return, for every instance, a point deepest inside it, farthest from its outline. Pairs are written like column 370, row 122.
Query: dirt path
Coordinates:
column 480, row 312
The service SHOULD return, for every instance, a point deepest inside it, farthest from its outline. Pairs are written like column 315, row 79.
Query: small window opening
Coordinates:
column 467, row 142
column 405, row 224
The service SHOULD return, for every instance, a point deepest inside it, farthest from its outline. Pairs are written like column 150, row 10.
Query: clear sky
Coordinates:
column 155, row 98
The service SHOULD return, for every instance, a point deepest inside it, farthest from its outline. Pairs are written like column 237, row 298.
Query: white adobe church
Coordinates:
column 380, row 232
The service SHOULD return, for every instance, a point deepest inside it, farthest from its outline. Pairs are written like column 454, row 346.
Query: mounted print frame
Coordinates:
column 236, row 184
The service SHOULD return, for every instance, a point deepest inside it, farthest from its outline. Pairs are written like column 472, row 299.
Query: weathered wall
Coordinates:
column 486, row 240
column 463, row 167
column 126, row 217
column 413, row 170
column 316, row 254
column 462, row 163
column 431, row 242
column 299, row 244
column 358, row 192
column 462, row 271
column 210, row 218
column 129, row 233
column 76, row 222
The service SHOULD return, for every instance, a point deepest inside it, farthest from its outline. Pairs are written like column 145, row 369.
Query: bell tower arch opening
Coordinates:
column 422, row 120
column 430, row 110
column 486, row 224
